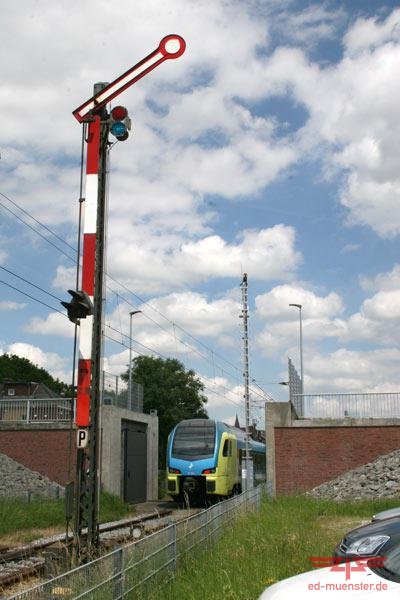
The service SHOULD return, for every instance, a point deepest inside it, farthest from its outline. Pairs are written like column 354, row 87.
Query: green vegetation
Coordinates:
column 17, row 515
column 266, row 546
column 176, row 394
column 20, row 369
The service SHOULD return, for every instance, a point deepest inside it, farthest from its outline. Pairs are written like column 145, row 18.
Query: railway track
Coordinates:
column 43, row 557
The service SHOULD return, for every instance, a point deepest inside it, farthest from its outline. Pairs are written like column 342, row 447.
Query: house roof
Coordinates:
column 25, row 389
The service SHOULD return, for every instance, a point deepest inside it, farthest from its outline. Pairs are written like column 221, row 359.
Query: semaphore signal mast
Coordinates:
column 86, row 306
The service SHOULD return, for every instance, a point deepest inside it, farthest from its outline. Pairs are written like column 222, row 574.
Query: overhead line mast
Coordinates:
column 247, row 471
column 86, row 306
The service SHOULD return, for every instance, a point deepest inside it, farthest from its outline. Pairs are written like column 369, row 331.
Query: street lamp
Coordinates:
column 133, row 312
column 299, row 306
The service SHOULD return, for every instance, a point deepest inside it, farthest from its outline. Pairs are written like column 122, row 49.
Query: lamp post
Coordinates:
column 133, row 312
column 299, row 306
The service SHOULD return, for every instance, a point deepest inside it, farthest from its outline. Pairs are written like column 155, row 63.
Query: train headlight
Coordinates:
column 176, row 471
column 208, row 471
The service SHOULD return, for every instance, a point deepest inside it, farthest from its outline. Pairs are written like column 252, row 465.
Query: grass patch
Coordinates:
column 29, row 519
column 113, row 508
column 267, row 546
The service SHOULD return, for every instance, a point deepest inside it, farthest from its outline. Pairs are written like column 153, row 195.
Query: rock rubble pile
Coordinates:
column 18, row 481
column 378, row 479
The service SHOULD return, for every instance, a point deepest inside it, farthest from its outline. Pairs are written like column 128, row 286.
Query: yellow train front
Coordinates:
column 204, row 460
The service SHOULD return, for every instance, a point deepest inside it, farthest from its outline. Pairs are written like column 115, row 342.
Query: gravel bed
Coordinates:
column 16, row 481
column 378, row 479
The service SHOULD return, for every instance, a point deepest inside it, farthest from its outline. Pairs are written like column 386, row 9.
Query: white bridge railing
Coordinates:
column 383, row 405
column 36, row 410
column 44, row 410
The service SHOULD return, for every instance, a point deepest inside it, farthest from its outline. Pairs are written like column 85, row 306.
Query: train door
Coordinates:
column 227, row 464
column 134, row 437
column 233, row 468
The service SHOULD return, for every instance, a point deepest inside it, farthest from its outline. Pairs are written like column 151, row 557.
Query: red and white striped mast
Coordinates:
column 93, row 113
column 82, row 418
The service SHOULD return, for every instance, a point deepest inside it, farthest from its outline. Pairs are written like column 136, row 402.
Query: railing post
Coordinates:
column 118, row 588
column 172, row 541
column 28, row 410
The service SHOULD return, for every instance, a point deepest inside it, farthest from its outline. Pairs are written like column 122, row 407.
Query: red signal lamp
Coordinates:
column 119, row 113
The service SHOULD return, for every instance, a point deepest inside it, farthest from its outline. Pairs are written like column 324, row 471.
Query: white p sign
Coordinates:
column 82, row 438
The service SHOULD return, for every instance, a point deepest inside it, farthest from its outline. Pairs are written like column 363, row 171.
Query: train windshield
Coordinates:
column 194, row 441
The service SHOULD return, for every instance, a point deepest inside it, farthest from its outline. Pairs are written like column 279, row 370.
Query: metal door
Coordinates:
column 135, row 461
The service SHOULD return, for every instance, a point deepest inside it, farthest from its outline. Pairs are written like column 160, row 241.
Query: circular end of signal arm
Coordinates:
column 172, row 46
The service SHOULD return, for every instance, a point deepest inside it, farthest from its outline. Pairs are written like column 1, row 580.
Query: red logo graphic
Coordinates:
column 339, row 564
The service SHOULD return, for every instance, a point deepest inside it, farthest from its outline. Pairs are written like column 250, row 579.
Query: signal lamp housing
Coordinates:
column 80, row 306
column 120, row 123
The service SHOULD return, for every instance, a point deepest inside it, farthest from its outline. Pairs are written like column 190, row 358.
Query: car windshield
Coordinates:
column 194, row 440
column 391, row 565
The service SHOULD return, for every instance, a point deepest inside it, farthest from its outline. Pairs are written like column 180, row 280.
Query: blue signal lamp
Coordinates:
column 118, row 129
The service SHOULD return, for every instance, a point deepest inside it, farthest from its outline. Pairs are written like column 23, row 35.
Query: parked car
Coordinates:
column 374, row 539
column 365, row 579
column 386, row 514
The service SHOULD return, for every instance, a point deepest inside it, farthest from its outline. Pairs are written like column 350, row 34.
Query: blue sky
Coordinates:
column 270, row 147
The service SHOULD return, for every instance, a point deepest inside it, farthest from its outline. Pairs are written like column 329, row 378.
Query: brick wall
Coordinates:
column 308, row 456
column 42, row 450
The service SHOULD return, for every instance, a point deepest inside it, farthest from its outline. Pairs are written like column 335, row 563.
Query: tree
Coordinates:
column 17, row 368
column 173, row 391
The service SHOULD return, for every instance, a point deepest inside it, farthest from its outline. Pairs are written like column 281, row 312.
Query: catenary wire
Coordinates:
column 36, row 220
column 123, row 286
column 189, row 346
column 29, row 283
column 32, row 297
column 120, row 342
column 107, row 325
column 130, row 292
column 37, row 232
column 123, row 335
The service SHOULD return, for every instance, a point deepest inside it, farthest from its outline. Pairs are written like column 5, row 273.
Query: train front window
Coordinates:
column 193, row 441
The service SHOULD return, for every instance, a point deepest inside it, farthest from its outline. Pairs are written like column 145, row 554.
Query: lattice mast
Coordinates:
column 244, row 316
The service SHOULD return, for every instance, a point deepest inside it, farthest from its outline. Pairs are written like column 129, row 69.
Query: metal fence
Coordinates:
column 134, row 570
column 356, row 406
column 45, row 410
column 116, row 392
column 36, row 410
column 295, row 389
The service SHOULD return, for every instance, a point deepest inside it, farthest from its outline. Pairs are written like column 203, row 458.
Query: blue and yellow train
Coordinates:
column 204, row 460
